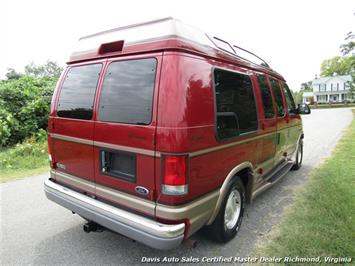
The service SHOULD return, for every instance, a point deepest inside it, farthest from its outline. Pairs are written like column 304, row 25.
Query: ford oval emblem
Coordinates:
column 141, row 190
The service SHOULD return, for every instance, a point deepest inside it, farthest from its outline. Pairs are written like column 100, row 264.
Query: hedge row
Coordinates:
column 24, row 107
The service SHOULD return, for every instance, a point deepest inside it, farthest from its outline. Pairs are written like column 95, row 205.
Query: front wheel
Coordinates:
column 299, row 156
column 228, row 220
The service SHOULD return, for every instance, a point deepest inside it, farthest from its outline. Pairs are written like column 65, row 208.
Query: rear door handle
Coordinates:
column 105, row 166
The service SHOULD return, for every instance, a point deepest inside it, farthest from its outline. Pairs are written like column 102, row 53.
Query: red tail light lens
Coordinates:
column 174, row 174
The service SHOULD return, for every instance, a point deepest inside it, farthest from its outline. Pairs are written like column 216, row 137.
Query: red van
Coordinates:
column 157, row 129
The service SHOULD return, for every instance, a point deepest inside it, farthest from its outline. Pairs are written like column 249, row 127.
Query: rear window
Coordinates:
column 76, row 99
column 127, row 92
column 235, row 103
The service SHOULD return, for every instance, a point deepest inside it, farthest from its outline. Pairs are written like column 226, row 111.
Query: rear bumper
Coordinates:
column 142, row 229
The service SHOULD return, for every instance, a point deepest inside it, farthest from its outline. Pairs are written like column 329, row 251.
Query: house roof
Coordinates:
column 322, row 80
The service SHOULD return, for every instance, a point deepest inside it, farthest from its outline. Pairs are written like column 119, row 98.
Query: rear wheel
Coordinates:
column 227, row 222
column 299, row 156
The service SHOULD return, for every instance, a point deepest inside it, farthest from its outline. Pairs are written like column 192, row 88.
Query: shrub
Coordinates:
column 24, row 107
column 30, row 154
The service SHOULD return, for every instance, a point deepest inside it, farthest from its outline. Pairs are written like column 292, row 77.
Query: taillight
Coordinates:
column 174, row 172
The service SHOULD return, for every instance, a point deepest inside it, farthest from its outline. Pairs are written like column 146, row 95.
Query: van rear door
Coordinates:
column 125, row 128
column 71, row 127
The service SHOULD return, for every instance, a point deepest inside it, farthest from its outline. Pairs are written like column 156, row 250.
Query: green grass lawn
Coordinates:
column 321, row 222
column 333, row 105
column 25, row 159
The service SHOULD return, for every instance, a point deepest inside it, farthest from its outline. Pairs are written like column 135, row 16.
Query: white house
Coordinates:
column 308, row 97
column 331, row 89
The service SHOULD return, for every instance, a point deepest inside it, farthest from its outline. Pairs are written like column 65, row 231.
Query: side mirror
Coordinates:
column 303, row 109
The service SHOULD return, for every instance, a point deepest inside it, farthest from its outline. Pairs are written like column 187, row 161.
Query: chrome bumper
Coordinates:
column 142, row 229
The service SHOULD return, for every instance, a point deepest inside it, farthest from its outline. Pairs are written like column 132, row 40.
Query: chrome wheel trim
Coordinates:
column 233, row 209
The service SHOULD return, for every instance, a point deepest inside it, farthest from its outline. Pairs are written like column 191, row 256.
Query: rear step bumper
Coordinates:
column 142, row 229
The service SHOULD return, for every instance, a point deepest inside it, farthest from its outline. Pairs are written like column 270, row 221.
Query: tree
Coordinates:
column 50, row 69
column 306, row 86
column 12, row 74
column 297, row 96
column 351, row 85
column 24, row 107
column 341, row 65
column 348, row 47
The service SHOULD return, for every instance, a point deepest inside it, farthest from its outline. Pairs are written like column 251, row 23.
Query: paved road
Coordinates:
column 37, row 231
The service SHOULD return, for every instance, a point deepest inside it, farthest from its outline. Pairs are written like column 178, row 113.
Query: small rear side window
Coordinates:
column 235, row 102
column 76, row 99
column 127, row 92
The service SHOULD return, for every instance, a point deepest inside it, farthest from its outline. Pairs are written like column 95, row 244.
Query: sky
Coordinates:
column 294, row 37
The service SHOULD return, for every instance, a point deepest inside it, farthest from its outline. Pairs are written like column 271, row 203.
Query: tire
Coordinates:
column 228, row 220
column 299, row 156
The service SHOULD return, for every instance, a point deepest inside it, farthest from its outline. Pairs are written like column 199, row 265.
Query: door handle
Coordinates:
column 104, row 163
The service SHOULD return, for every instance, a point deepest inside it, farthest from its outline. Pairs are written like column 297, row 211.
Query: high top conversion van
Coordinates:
column 157, row 129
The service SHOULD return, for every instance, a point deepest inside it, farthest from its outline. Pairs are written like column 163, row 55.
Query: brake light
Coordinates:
column 174, row 172
column 111, row 47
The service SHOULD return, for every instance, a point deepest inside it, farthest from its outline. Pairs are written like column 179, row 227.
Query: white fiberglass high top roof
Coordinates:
column 158, row 29
column 141, row 32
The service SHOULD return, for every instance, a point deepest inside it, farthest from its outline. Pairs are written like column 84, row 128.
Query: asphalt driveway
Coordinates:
column 37, row 231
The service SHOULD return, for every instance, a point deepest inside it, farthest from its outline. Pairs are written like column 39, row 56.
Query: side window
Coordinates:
column 278, row 97
column 127, row 92
column 76, row 99
column 235, row 103
column 266, row 97
column 291, row 106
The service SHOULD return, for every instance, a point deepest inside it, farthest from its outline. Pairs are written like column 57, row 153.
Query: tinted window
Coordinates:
column 278, row 97
column 235, row 103
column 76, row 98
column 289, row 99
column 127, row 92
column 266, row 97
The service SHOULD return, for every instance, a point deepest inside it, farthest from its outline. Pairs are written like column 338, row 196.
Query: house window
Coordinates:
column 337, row 86
column 346, row 86
column 322, row 87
